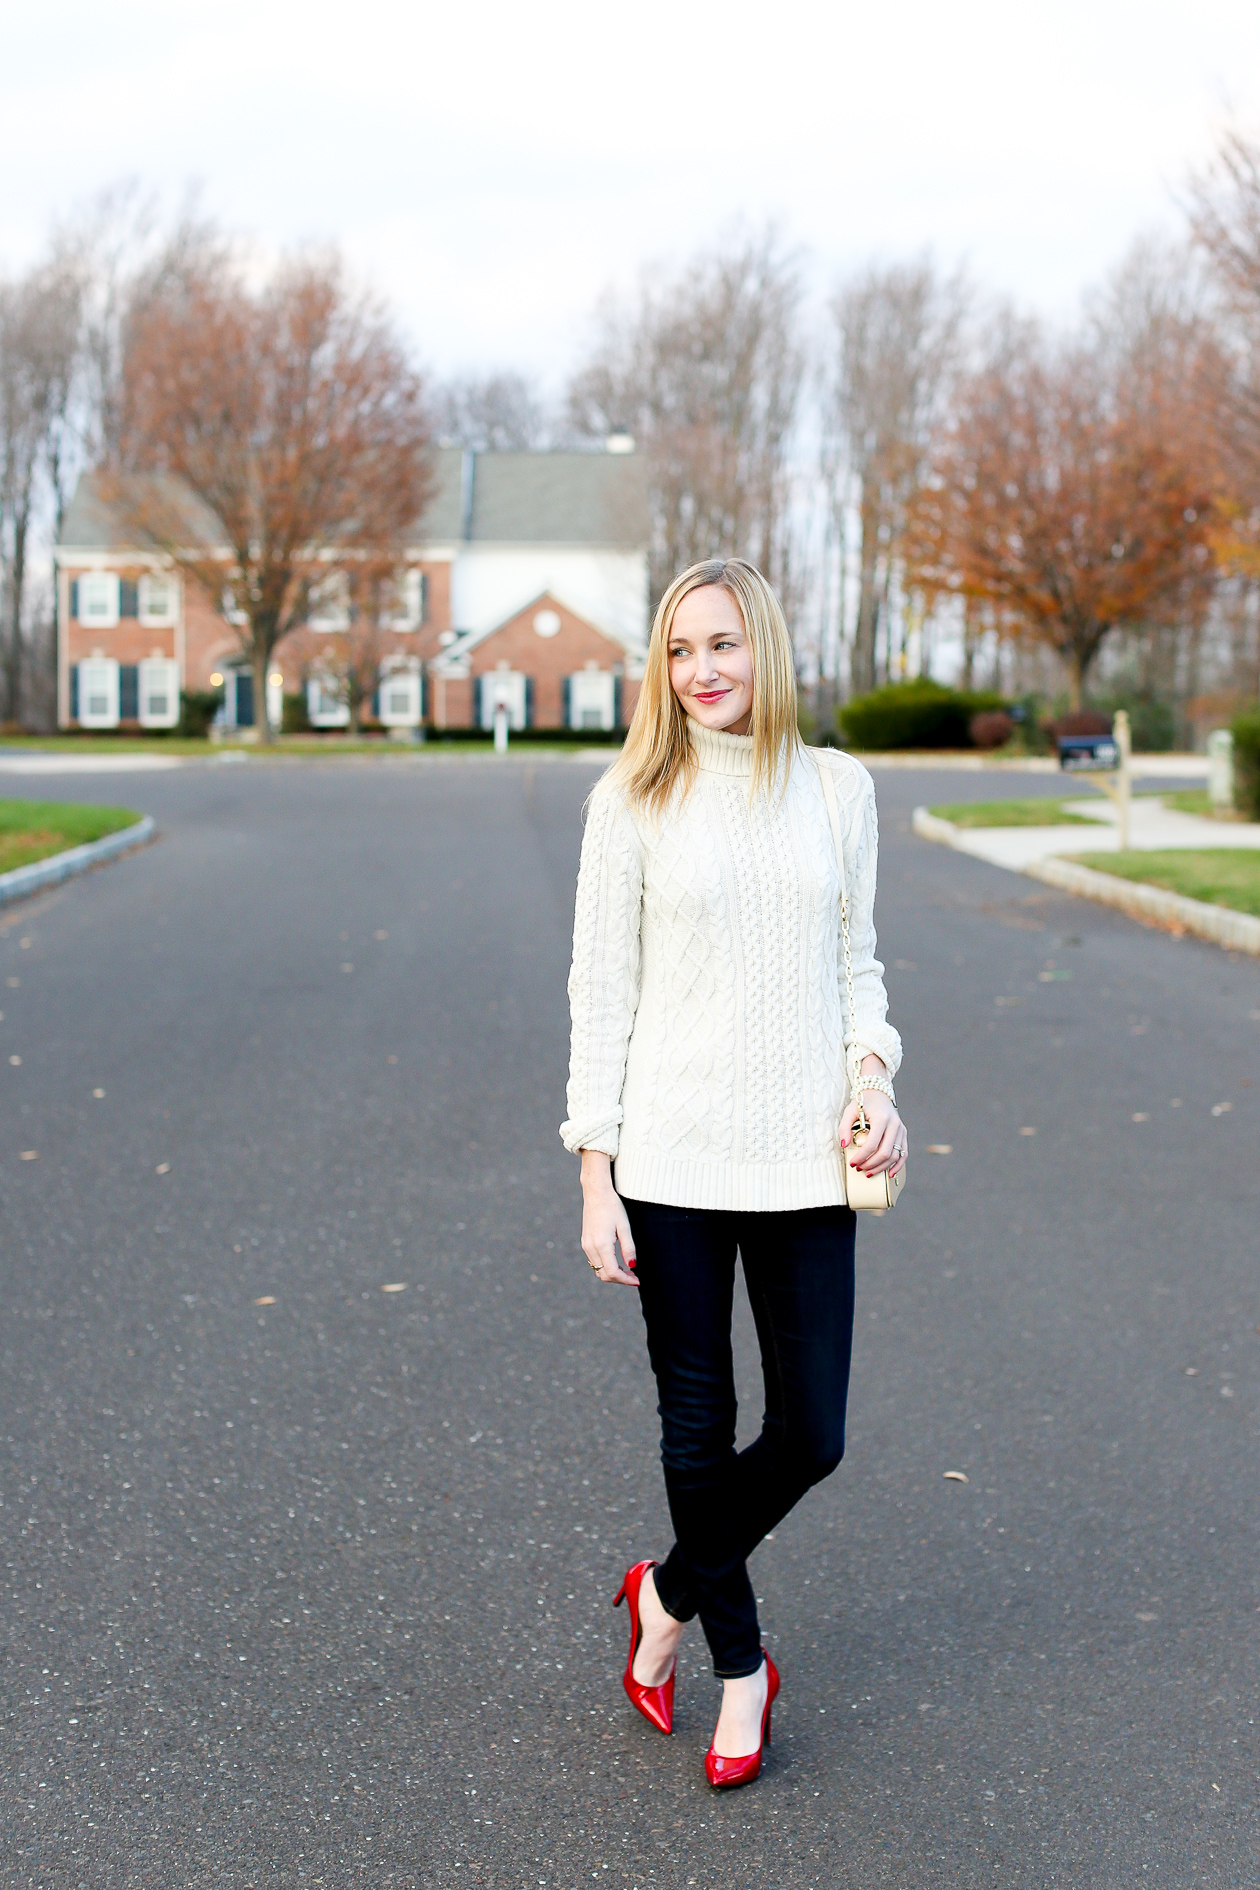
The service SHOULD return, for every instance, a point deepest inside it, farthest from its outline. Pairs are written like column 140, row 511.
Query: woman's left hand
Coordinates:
column 887, row 1145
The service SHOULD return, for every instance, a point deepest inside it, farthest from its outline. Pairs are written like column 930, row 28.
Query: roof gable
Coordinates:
column 538, row 498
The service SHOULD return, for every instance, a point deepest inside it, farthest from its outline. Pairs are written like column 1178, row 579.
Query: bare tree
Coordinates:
column 39, row 356
column 705, row 371
column 286, row 427
column 897, row 336
column 496, row 413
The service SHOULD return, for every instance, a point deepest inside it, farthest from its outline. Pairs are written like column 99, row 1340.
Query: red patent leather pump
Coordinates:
column 727, row 1772
column 655, row 1703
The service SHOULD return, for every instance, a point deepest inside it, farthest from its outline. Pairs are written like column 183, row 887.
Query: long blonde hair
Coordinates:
column 657, row 754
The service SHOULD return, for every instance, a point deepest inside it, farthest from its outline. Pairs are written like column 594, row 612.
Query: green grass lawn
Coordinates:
column 32, row 830
column 1221, row 876
column 1035, row 813
column 1195, row 801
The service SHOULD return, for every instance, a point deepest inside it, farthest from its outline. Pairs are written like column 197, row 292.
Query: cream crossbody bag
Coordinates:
column 861, row 1191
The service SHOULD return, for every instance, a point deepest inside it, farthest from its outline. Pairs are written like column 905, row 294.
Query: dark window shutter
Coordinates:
column 424, row 695
column 618, row 721
column 476, row 702
column 566, row 694
column 244, row 699
column 74, row 599
column 376, row 703
column 74, row 691
column 128, row 692
column 529, row 702
column 424, row 597
column 128, row 598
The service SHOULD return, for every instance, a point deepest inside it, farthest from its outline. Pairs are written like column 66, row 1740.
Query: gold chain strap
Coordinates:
column 852, row 1062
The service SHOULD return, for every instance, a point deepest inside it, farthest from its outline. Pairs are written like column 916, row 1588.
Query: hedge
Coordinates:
column 920, row 714
column 1246, row 732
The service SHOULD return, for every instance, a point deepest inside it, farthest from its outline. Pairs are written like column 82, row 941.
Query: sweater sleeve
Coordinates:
column 604, row 979
column 875, row 1035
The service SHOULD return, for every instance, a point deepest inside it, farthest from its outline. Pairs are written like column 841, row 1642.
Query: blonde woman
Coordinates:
column 709, row 1103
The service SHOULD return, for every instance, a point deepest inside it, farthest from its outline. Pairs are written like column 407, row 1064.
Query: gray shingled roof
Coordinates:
column 516, row 498
column 101, row 516
column 540, row 498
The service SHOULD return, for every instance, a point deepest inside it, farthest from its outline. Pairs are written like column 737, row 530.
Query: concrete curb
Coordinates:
column 1173, row 912
column 40, row 873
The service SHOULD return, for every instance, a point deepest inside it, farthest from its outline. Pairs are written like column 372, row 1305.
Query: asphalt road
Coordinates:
column 306, row 1582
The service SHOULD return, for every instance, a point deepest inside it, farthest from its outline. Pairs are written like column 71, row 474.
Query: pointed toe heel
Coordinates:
column 724, row 1774
column 655, row 1703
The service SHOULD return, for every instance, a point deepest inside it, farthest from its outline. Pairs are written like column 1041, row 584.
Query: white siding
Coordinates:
column 490, row 583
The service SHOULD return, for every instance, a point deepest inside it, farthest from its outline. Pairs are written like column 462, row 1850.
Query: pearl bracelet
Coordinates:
column 883, row 1084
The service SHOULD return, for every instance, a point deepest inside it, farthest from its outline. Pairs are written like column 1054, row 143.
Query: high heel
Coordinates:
column 655, row 1703
column 725, row 1773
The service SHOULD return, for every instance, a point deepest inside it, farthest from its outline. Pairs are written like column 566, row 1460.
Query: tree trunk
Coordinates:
column 261, row 665
column 1078, row 661
column 862, row 657
column 17, row 584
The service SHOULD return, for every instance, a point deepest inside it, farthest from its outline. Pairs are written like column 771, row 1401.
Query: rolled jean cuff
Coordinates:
column 741, row 1673
column 673, row 1595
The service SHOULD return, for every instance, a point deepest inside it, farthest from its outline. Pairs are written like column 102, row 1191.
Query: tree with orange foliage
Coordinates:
column 268, row 437
column 1225, row 219
column 1068, row 489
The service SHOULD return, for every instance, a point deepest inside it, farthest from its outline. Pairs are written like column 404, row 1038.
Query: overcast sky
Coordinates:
column 492, row 167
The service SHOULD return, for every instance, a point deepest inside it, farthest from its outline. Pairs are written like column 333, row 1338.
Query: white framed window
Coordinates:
column 505, row 687
column 330, row 603
column 98, row 599
column 325, row 707
column 98, row 692
column 399, row 698
column 158, row 692
column 592, row 699
column 158, row 599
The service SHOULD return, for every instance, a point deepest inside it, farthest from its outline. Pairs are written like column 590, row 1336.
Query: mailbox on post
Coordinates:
column 1088, row 754
column 1108, row 755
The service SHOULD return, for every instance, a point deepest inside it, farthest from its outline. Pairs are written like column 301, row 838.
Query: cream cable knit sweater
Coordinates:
column 706, row 988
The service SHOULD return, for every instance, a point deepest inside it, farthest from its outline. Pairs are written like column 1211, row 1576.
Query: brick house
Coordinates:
column 526, row 583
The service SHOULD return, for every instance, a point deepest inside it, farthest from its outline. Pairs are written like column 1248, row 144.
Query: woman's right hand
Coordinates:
column 604, row 1223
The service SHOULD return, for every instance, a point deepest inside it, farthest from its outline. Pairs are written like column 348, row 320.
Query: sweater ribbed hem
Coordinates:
column 737, row 1187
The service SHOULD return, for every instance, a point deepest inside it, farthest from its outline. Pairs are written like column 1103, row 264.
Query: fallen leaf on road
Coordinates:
column 25, row 943
column 268, row 1299
column 347, row 967
column 1148, row 1617
column 940, row 1148
column 1227, row 1391
column 163, row 1168
column 15, row 1061
column 13, row 983
column 391, row 1059
column 98, row 1093
column 1027, row 1131
column 955, row 1476
column 380, row 935
column 399, row 1286
column 1192, row 1371
column 1174, row 1102
column 1218, row 1109
column 29, row 1155
column 1141, row 1116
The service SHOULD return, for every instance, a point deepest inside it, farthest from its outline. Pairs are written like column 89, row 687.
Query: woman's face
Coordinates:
column 710, row 663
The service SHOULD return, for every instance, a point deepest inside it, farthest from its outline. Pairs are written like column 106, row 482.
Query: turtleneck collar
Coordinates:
column 720, row 753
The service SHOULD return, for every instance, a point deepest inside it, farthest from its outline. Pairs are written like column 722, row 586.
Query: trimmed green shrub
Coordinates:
column 197, row 709
column 919, row 714
column 1246, row 732
column 294, row 719
column 1152, row 722
column 579, row 737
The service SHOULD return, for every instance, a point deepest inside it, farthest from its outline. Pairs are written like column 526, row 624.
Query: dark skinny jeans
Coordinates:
column 798, row 1268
